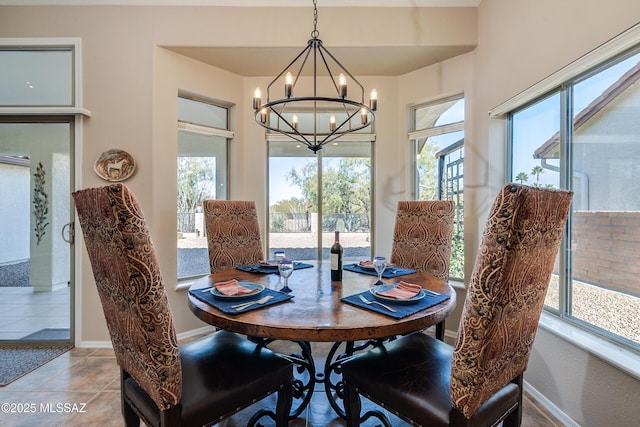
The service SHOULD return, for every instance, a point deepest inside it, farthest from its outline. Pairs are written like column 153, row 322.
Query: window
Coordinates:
column 37, row 76
column 437, row 139
column 313, row 195
column 203, row 137
column 585, row 136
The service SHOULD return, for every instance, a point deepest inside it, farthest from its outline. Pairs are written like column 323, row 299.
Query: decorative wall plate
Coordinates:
column 115, row 165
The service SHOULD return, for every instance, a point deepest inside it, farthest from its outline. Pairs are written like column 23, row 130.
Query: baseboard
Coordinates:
column 549, row 406
column 93, row 344
column 180, row 336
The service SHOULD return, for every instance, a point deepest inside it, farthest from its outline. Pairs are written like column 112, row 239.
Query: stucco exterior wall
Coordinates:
column 14, row 230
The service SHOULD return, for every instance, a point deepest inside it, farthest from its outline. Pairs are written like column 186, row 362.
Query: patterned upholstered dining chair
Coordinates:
column 422, row 236
column 478, row 381
column 233, row 233
column 162, row 383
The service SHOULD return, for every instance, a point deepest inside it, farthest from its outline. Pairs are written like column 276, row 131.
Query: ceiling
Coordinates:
column 361, row 61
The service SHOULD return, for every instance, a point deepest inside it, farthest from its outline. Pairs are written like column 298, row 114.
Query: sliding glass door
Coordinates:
column 313, row 195
column 35, row 228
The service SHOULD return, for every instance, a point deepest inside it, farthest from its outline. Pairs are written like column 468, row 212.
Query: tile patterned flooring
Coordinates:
column 23, row 312
column 81, row 388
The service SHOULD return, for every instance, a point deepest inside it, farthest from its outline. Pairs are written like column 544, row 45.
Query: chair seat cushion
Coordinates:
column 221, row 372
column 411, row 375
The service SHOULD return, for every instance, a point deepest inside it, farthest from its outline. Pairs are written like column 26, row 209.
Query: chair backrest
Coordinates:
column 506, row 292
column 422, row 236
column 233, row 233
column 131, row 290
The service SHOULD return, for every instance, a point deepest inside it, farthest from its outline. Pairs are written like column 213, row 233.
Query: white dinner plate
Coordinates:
column 216, row 293
column 383, row 288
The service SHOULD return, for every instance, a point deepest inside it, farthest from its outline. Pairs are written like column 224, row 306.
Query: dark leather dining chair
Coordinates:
column 422, row 236
column 164, row 384
column 233, row 233
column 477, row 382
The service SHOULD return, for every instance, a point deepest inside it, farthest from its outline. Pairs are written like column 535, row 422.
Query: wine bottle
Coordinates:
column 336, row 260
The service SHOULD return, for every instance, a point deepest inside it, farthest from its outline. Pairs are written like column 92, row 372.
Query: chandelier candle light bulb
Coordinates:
column 257, row 98
column 363, row 116
column 342, row 84
column 373, row 100
column 332, row 123
column 294, row 122
column 288, row 82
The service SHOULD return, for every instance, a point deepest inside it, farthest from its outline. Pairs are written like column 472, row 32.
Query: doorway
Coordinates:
column 36, row 230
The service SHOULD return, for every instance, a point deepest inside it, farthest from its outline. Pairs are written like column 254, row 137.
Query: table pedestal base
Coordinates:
column 306, row 375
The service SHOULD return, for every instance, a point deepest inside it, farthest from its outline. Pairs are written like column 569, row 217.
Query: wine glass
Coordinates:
column 285, row 267
column 279, row 256
column 379, row 264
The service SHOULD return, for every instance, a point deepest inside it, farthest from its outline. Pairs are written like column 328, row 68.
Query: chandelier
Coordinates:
column 326, row 113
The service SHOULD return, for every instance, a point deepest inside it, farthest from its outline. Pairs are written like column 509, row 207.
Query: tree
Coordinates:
column 306, row 179
column 196, row 182
column 292, row 205
column 537, row 171
column 346, row 190
column 522, row 177
column 346, row 185
column 427, row 170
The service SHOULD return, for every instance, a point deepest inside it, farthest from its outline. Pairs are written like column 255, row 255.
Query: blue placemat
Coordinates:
column 388, row 273
column 265, row 269
column 402, row 309
column 225, row 305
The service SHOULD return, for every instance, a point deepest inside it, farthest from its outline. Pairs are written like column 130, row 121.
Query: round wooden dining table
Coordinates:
column 316, row 313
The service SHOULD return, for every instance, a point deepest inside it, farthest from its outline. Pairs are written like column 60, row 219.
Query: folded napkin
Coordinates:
column 403, row 290
column 232, row 287
column 366, row 264
column 369, row 264
column 265, row 263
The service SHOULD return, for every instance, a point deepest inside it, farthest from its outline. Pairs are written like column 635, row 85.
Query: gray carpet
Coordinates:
column 16, row 274
column 17, row 361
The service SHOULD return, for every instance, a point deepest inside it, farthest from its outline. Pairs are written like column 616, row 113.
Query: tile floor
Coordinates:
column 23, row 312
column 81, row 388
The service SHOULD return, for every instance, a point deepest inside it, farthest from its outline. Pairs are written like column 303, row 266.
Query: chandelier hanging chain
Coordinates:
column 316, row 129
column 315, row 33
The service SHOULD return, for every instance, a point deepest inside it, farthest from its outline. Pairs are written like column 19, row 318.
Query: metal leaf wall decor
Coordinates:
column 40, row 202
